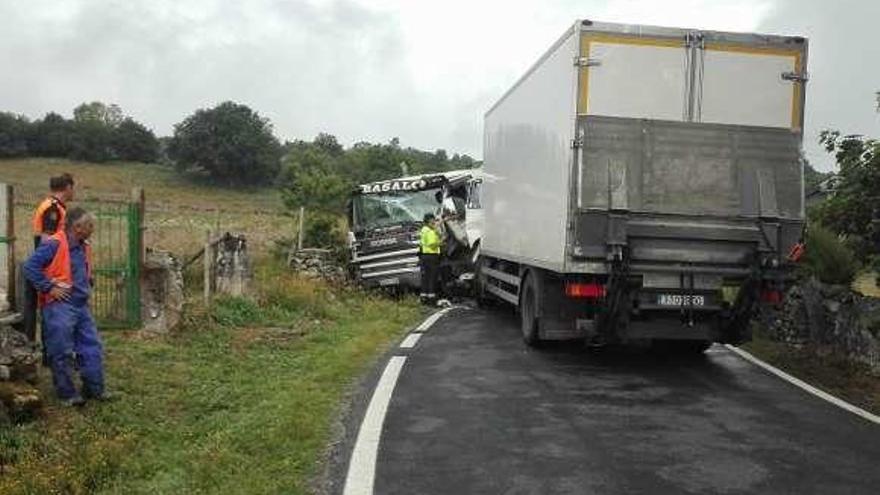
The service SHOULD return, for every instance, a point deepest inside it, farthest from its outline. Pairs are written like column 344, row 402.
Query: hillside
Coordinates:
column 178, row 210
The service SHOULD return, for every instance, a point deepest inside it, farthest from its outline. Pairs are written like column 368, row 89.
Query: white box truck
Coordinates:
column 645, row 183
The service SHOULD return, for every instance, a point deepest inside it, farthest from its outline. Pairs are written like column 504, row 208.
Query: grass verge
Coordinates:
column 240, row 401
column 832, row 373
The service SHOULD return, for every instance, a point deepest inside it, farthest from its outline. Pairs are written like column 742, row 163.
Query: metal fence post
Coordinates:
column 136, row 254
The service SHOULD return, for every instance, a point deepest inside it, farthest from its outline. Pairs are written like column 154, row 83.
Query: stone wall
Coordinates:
column 829, row 317
column 316, row 263
column 20, row 400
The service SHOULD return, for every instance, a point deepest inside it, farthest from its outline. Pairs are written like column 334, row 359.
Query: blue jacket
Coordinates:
column 43, row 256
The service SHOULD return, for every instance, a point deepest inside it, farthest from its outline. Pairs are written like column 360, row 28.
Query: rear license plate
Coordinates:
column 389, row 281
column 681, row 300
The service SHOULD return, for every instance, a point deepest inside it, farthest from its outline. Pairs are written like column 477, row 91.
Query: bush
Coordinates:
column 322, row 230
column 828, row 258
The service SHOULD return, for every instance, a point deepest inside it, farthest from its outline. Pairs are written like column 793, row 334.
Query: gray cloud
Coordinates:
column 843, row 65
column 350, row 68
column 336, row 67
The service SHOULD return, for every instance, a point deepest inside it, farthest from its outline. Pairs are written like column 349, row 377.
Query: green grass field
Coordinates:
column 179, row 211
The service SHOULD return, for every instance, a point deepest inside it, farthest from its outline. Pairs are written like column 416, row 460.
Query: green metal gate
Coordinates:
column 116, row 248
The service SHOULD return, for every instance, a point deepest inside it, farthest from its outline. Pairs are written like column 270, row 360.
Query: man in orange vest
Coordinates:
column 60, row 269
column 49, row 215
column 48, row 218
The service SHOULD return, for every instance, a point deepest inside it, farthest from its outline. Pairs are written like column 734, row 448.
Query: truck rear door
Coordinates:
column 750, row 85
column 629, row 76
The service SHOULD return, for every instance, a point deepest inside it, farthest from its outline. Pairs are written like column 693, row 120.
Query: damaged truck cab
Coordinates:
column 645, row 183
column 384, row 222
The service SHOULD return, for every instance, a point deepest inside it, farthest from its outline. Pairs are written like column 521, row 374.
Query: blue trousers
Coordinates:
column 70, row 333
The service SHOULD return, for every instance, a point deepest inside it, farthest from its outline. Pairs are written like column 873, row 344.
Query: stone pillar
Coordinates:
column 232, row 267
column 162, row 296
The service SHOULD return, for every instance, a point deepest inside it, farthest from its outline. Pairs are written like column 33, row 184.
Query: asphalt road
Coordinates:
column 475, row 411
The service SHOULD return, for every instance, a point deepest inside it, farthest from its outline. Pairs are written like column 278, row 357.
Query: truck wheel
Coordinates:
column 693, row 348
column 528, row 312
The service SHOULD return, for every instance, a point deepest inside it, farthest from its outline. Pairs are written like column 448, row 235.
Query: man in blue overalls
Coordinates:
column 60, row 270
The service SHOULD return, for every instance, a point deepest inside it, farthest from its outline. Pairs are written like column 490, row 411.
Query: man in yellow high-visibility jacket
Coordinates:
column 429, row 257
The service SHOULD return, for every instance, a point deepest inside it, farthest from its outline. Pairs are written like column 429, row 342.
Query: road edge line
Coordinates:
column 805, row 386
column 429, row 321
column 411, row 340
column 362, row 466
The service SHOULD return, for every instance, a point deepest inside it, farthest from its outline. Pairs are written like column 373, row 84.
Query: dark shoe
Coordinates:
column 102, row 397
column 76, row 401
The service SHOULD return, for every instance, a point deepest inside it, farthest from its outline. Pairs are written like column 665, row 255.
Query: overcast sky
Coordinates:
column 424, row 71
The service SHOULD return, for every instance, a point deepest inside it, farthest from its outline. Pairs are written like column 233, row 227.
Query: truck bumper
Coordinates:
column 401, row 278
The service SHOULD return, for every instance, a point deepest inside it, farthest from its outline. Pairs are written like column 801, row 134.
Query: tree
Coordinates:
column 316, row 190
column 854, row 208
column 812, row 177
column 50, row 136
column 313, row 175
column 329, row 144
column 14, row 131
column 133, row 142
column 91, row 140
column 96, row 112
column 92, row 131
column 230, row 143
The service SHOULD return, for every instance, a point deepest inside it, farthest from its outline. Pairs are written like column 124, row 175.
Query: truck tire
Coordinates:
column 684, row 348
column 528, row 312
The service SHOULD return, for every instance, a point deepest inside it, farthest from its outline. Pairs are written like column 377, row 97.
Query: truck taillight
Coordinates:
column 771, row 296
column 587, row 291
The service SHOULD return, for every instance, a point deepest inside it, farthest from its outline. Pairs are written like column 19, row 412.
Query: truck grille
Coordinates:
column 387, row 264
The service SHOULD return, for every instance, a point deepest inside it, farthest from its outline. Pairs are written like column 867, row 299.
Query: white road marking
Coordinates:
column 362, row 467
column 805, row 386
column 431, row 320
column 410, row 341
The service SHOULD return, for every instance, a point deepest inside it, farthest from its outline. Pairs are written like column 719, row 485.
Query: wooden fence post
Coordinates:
column 7, row 242
column 208, row 262
column 299, row 234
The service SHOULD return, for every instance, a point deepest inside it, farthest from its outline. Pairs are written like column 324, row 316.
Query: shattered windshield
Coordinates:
column 393, row 208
